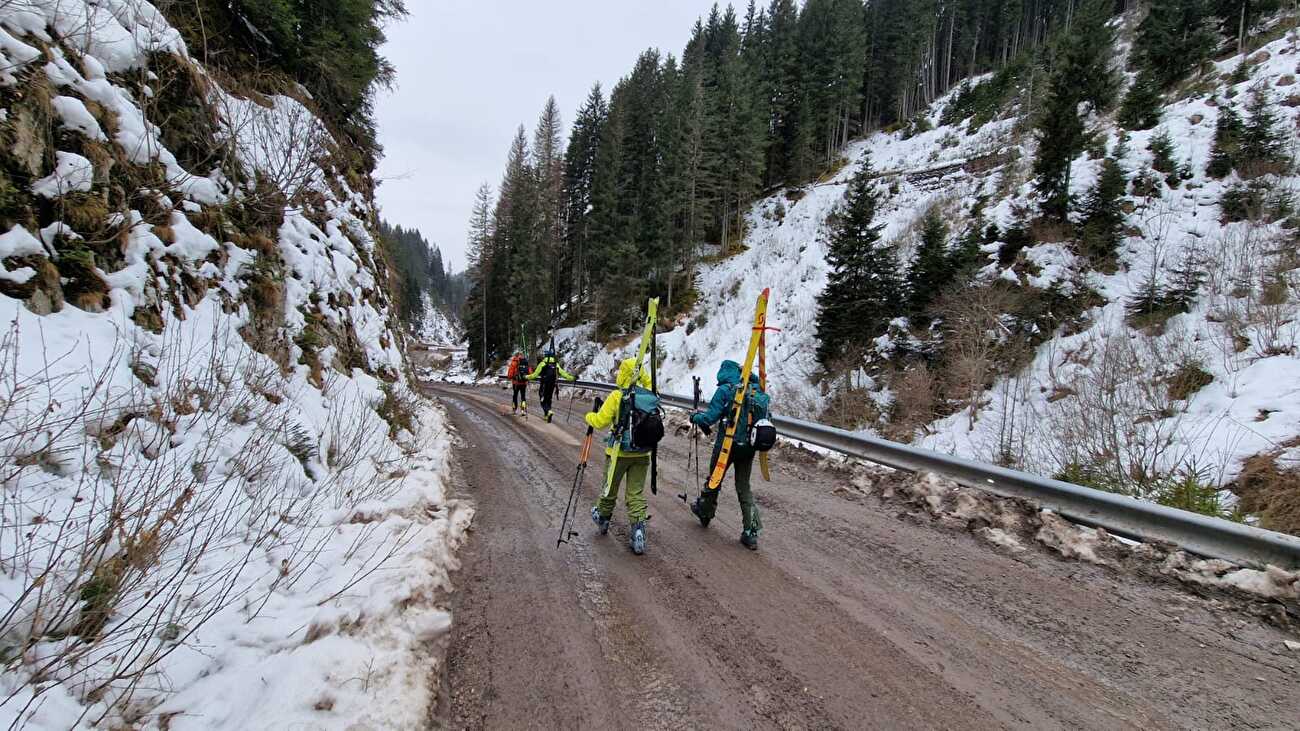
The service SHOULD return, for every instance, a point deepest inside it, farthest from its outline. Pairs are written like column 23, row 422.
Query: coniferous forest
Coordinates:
column 658, row 171
column 419, row 271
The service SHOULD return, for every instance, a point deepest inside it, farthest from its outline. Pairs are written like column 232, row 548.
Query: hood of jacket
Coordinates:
column 625, row 371
column 729, row 373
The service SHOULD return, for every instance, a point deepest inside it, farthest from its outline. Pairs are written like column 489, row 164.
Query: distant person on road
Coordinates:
column 622, row 462
column 548, row 371
column 721, row 411
column 518, row 375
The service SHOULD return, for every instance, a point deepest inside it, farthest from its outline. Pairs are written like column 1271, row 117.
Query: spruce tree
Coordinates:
column 931, row 269
column 864, row 290
column 1186, row 285
column 1148, row 301
column 579, row 169
column 1142, row 104
column 965, row 257
column 1081, row 75
column 1103, row 220
column 1173, row 39
column 1228, row 133
column 548, row 169
column 1161, row 147
column 1261, row 143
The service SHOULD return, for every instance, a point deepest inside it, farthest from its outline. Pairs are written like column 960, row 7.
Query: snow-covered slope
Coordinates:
column 786, row 251
column 438, row 328
column 1241, row 334
column 221, row 506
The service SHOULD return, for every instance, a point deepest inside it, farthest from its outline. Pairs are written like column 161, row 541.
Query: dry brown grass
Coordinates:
column 1271, row 493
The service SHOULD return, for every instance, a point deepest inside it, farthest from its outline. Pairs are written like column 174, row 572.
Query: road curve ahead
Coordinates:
column 847, row 617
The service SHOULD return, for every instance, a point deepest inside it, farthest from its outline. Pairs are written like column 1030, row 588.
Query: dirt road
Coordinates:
column 847, row 616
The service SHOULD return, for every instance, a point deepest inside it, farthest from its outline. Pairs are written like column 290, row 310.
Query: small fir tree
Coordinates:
column 1162, row 157
column 1103, row 218
column 964, row 258
column 1081, row 76
column 864, row 289
column 1228, row 132
column 1141, row 106
column 931, row 269
column 1147, row 302
column 1261, row 143
column 1186, row 285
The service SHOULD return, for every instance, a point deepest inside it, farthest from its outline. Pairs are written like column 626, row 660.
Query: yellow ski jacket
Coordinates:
column 608, row 413
column 537, row 372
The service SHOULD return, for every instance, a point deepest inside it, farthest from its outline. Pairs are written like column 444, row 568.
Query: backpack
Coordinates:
column 548, row 374
column 756, row 429
column 513, row 371
column 640, row 421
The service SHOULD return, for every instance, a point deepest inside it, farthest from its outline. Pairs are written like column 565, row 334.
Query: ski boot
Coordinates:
column 750, row 539
column 697, row 507
column 638, row 538
column 601, row 523
column 549, row 414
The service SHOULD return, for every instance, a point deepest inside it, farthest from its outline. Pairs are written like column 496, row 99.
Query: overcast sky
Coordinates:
column 470, row 71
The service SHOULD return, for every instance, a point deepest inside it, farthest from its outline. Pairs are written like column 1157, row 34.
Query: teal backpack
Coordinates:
column 640, row 421
column 756, row 428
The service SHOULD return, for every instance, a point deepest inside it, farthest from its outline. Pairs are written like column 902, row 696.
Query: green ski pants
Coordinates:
column 633, row 469
column 742, row 465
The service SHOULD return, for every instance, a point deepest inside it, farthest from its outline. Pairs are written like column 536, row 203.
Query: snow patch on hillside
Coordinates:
column 437, row 328
column 196, row 534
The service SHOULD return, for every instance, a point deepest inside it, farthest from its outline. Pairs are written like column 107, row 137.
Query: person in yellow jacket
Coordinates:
column 622, row 463
column 549, row 371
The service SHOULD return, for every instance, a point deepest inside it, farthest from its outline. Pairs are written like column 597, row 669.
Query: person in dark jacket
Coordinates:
column 720, row 412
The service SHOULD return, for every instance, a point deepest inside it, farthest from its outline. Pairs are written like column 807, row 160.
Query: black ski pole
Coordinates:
column 654, row 387
column 695, row 441
column 572, row 395
column 565, row 533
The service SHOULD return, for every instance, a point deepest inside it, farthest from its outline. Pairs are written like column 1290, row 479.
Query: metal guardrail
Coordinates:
column 1125, row 516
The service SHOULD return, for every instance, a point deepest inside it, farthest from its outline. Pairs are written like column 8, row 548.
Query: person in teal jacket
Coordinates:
column 621, row 463
column 720, row 412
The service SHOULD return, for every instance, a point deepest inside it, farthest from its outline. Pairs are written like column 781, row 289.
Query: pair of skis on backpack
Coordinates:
column 642, row 428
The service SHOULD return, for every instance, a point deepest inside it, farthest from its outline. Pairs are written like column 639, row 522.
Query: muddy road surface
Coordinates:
column 846, row 617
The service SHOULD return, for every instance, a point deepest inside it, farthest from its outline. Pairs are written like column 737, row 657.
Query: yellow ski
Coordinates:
column 755, row 339
column 762, row 384
column 652, row 313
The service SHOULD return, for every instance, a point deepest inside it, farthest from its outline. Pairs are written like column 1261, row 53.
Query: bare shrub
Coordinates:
column 974, row 334
column 915, row 401
column 1119, row 426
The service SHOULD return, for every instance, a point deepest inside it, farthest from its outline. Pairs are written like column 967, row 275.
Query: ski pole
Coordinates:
column 654, row 387
column 565, row 533
column 695, row 442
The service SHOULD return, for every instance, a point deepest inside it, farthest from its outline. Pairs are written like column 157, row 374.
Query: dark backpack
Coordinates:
column 640, row 421
column 549, row 372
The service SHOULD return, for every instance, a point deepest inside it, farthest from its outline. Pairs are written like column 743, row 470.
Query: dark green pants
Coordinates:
column 742, row 464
